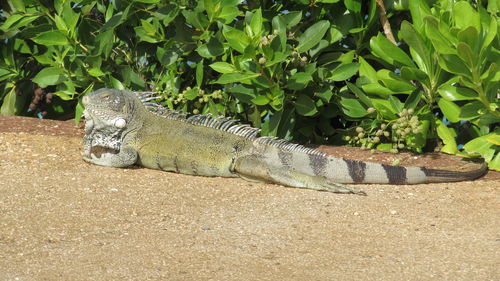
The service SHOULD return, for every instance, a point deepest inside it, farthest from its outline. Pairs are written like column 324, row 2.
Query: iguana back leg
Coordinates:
column 252, row 167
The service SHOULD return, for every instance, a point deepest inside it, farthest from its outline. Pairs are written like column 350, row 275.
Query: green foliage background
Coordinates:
column 307, row 70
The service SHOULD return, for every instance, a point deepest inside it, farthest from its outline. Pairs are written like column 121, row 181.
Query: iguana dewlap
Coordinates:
column 123, row 129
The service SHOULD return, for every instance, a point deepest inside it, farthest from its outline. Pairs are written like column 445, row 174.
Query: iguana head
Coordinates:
column 110, row 115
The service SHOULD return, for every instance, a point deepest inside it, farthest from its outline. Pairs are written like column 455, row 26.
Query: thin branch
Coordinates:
column 385, row 23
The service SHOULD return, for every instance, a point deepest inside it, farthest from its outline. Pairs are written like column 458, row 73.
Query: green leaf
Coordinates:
column 299, row 81
column 223, row 67
column 256, row 23
column 353, row 5
column 468, row 57
column 236, row 38
column 344, row 71
column 49, row 76
column 228, row 14
column 279, row 24
column 243, row 93
column 61, row 25
column 65, row 95
column 212, row 49
column 16, row 21
column 410, row 35
column 447, row 135
column 305, row 106
column 199, row 73
column 5, row 74
column 312, row 35
column 494, row 164
column 166, row 57
column 413, row 99
column 167, row 13
column 196, row 19
column 191, row 94
column 491, row 34
column 450, row 110
column 419, row 9
column 211, row 9
column 10, row 103
column 364, row 98
column 439, row 41
column 384, row 107
column 105, row 43
column 410, row 73
column 453, row 64
column 49, row 38
column 261, row 100
column 115, row 83
column 353, row 107
column 235, row 77
column 96, row 72
column 470, row 37
column 453, row 93
column 386, row 50
column 397, row 85
column 466, row 16
column 472, row 110
column 377, row 89
column 482, row 146
column 292, row 18
column 366, row 70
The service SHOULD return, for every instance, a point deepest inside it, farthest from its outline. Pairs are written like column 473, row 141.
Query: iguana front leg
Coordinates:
column 124, row 157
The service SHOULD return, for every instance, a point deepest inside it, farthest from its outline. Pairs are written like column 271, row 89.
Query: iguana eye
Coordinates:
column 120, row 123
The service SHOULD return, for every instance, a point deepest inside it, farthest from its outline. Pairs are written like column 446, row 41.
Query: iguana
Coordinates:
column 125, row 128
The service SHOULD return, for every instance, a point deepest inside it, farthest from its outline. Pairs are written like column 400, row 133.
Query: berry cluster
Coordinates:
column 39, row 102
column 396, row 131
column 297, row 59
column 266, row 40
column 198, row 104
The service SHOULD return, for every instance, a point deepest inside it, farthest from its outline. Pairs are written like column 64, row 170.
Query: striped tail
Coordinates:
column 351, row 171
column 299, row 166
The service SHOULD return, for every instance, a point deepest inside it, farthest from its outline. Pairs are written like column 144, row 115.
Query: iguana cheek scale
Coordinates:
column 124, row 128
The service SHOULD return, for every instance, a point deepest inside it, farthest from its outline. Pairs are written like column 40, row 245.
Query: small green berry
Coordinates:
column 383, row 126
column 359, row 129
column 262, row 61
column 370, row 110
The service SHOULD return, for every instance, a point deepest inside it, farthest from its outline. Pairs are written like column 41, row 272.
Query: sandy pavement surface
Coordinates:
column 64, row 219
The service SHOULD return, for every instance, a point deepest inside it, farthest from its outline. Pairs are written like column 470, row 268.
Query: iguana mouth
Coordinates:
column 98, row 151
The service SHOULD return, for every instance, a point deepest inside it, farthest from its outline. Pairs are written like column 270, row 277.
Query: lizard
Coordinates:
column 123, row 128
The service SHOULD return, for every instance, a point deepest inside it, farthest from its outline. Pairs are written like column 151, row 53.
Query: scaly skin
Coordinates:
column 121, row 131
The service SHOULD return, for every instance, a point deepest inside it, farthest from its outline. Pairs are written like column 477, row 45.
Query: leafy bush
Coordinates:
column 308, row 70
